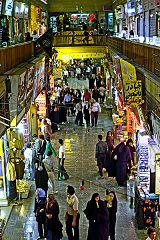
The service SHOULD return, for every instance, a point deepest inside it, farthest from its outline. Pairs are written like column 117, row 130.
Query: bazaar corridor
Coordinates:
column 80, row 163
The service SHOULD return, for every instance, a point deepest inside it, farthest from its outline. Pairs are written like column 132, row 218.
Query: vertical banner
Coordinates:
column 129, row 78
column 128, row 71
column 157, row 180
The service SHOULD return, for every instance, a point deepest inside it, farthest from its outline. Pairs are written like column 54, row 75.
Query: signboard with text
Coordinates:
column 133, row 92
column 8, row 8
column 157, row 180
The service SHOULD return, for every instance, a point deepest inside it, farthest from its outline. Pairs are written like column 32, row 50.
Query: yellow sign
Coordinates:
column 128, row 71
column 133, row 92
column 157, row 179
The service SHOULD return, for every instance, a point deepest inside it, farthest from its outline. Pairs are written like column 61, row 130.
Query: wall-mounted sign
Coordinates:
column 133, row 92
column 128, row 71
column 143, row 160
column 157, row 180
column 8, row 8
column 44, row 1
column 156, row 128
column 0, row 6
column 19, row 9
column 26, row 12
column 39, row 77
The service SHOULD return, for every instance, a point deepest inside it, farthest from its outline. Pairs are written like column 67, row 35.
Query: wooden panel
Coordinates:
column 12, row 56
column 146, row 56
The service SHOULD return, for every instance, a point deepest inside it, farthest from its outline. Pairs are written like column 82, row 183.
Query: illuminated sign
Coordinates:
column 8, row 8
column 0, row 6
column 44, row 1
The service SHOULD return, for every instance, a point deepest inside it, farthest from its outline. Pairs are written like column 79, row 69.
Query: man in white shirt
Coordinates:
column 72, row 214
column 61, row 158
column 28, row 154
column 65, row 75
column 152, row 235
column 78, row 73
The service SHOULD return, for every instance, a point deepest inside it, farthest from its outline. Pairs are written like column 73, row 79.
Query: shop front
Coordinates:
column 20, row 130
column 39, row 91
column 7, row 23
column 4, row 123
column 43, row 18
column 33, row 21
column 20, row 19
column 80, row 21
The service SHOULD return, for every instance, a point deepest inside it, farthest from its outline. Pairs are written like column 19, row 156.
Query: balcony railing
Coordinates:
column 78, row 40
column 145, row 55
column 11, row 56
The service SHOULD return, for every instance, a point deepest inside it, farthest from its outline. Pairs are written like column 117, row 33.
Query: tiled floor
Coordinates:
column 80, row 163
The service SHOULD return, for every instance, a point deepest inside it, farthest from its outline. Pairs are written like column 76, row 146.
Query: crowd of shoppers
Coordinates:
column 116, row 159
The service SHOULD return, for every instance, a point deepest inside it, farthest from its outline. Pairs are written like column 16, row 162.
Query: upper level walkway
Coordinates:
column 144, row 55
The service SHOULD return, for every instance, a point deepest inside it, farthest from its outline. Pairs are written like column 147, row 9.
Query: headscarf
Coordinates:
column 41, row 193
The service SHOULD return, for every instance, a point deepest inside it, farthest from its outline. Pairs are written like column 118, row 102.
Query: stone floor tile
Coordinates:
column 80, row 163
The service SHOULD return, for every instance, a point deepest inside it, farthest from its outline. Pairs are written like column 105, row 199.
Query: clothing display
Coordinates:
column 12, row 190
column 146, row 206
column 11, row 172
column 19, row 167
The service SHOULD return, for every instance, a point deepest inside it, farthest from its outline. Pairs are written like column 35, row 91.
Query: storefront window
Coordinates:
column 79, row 21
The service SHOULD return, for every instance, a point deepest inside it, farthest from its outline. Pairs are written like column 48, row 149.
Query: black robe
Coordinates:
column 122, row 162
column 98, row 220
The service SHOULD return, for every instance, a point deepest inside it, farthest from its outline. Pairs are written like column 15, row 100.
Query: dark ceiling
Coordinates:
column 77, row 5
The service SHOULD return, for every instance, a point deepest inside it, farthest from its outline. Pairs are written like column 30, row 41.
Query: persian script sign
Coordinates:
column 133, row 92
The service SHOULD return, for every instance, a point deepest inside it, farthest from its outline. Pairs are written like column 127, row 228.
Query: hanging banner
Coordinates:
column 157, row 180
column 128, row 71
column 133, row 92
column 45, row 41
column 130, row 121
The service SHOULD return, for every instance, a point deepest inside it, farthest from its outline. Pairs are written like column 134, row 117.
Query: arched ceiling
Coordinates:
column 77, row 5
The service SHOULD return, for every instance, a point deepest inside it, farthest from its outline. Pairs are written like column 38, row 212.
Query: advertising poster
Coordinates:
column 157, row 180
column 30, row 78
column 8, row 8
column 133, row 92
column 22, row 91
column 39, row 77
column 128, row 71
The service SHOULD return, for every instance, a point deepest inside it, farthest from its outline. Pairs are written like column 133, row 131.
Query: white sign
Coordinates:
column 0, row 6
column 44, row 1
column 19, row 9
column 8, row 8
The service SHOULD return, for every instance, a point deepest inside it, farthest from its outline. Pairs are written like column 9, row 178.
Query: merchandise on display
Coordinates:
column 41, row 104
column 23, row 188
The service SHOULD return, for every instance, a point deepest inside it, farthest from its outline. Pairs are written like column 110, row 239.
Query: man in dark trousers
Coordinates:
column 72, row 215
column 101, row 153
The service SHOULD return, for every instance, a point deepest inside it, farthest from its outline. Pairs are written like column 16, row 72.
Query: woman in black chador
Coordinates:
column 111, row 204
column 98, row 216
column 122, row 156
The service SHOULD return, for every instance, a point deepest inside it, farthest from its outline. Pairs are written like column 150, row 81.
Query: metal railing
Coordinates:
column 78, row 40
